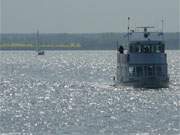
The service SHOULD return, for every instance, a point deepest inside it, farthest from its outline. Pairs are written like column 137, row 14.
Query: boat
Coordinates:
column 39, row 50
column 143, row 63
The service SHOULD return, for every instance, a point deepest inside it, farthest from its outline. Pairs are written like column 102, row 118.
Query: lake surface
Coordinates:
column 70, row 93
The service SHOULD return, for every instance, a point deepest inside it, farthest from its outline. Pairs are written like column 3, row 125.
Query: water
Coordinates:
column 70, row 93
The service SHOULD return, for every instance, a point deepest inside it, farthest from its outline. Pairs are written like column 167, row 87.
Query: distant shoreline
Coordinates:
column 30, row 47
column 64, row 41
column 43, row 47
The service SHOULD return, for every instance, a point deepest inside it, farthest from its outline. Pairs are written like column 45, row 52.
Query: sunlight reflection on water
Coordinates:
column 70, row 92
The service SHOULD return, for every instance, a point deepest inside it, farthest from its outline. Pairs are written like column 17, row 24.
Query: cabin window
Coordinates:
column 132, row 71
column 151, row 49
column 136, row 71
column 154, row 49
column 159, row 70
column 147, row 49
column 150, row 71
column 142, row 48
column 158, row 49
column 139, row 71
column 145, row 71
column 135, row 48
column 161, row 48
column 131, row 48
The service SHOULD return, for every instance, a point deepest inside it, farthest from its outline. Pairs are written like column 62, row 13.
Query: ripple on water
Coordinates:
column 70, row 93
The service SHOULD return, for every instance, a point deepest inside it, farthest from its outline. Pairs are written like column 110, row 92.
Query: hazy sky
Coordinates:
column 86, row 16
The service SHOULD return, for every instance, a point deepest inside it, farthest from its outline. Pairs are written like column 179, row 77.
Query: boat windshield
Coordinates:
column 147, row 48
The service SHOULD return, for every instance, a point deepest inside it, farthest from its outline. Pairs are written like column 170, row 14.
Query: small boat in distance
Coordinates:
column 39, row 51
column 144, row 62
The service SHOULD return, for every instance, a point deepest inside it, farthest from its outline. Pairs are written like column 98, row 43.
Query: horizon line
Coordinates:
column 79, row 32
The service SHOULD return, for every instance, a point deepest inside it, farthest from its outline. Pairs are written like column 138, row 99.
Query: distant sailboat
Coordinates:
column 39, row 51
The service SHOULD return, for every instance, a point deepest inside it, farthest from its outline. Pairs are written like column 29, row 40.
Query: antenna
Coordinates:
column 162, row 30
column 128, row 27
column 162, row 21
column 37, row 39
column 146, row 33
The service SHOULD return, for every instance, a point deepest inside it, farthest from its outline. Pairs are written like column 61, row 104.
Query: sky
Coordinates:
column 86, row 16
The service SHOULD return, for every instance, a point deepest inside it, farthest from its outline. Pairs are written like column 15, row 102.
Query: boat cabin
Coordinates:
column 144, row 63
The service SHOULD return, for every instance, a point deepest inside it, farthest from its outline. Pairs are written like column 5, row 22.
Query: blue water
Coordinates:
column 70, row 93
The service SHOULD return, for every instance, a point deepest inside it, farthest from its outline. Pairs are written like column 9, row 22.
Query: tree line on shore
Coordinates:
column 64, row 41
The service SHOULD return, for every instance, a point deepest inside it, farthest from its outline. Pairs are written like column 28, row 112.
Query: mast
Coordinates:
column 161, row 33
column 37, row 40
column 128, row 27
column 162, row 29
column 145, row 28
column 162, row 21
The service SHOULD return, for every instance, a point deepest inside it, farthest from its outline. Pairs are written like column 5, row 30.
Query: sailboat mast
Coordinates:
column 37, row 39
